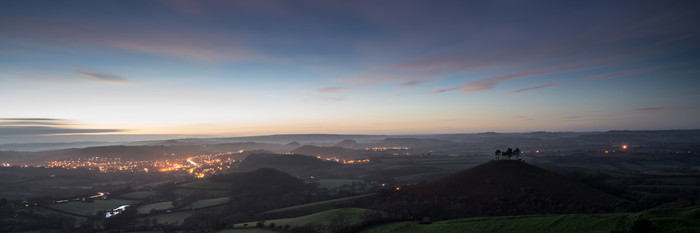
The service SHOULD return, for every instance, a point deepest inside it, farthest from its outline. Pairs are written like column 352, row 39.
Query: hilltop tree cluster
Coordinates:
column 507, row 154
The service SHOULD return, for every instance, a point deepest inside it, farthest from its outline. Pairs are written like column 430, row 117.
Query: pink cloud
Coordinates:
column 102, row 77
column 654, row 109
column 328, row 90
column 187, row 43
column 625, row 72
column 410, row 84
column 537, row 87
column 597, row 77
column 489, row 83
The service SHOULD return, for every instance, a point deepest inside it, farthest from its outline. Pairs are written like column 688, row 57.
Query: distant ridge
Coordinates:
column 504, row 187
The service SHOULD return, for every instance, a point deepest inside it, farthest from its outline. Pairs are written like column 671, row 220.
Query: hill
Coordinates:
column 299, row 165
column 248, row 194
column 505, row 187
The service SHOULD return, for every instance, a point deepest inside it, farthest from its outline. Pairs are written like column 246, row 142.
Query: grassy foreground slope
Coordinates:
column 351, row 215
column 666, row 220
column 314, row 207
column 247, row 231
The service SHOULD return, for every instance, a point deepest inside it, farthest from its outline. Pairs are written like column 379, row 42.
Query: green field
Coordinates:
column 46, row 211
column 175, row 218
column 669, row 220
column 90, row 208
column 139, row 195
column 188, row 191
column 335, row 183
column 208, row 203
column 206, row 184
column 352, row 215
column 145, row 209
column 316, row 206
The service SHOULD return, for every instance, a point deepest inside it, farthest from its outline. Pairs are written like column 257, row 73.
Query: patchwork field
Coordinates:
column 89, row 208
column 175, row 218
column 316, row 206
column 205, row 184
column 208, row 203
column 139, row 195
column 351, row 215
column 145, row 209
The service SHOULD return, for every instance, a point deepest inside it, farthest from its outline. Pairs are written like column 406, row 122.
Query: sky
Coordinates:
column 234, row 68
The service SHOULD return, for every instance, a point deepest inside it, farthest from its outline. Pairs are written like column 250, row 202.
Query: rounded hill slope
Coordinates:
column 504, row 187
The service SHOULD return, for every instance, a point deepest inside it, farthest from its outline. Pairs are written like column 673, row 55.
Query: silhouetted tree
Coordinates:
column 509, row 152
column 498, row 154
column 516, row 153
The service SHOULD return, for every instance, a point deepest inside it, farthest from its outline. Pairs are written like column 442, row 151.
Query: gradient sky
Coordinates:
column 390, row 67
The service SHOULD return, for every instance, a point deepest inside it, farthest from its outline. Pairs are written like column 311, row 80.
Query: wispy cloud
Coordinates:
column 489, row 83
column 31, row 121
column 538, row 87
column 593, row 46
column 329, row 90
column 561, row 67
column 17, row 127
column 385, row 76
column 102, row 77
column 183, row 43
column 654, row 109
column 411, row 84
column 323, row 100
column 16, row 131
column 625, row 72
column 593, row 78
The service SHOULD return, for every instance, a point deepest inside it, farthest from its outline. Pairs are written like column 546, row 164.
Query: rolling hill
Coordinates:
column 505, row 187
column 293, row 164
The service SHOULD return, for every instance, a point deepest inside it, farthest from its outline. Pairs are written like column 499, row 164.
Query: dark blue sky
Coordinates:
column 265, row 67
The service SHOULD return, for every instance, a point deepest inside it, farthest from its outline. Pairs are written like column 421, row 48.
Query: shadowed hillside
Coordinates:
column 293, row 164
column 503, row 187
column 263, row 189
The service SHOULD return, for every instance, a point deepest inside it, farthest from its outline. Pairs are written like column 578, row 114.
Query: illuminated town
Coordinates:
column 199, row 166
